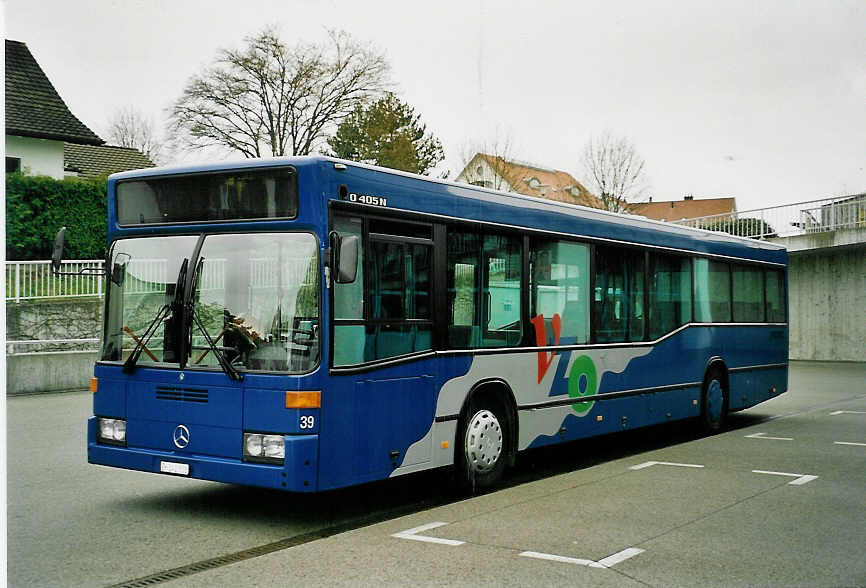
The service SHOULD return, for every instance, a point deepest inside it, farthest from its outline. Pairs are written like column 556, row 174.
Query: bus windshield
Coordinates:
column 255, row 301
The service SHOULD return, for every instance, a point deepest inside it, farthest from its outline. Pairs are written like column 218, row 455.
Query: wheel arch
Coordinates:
column 710, row 422
column 499, row 389
column 717, row 363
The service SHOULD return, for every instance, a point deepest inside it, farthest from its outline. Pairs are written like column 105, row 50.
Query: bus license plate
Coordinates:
column 169, row 467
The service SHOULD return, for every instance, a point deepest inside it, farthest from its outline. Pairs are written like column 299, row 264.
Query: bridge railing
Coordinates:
column 813, row 216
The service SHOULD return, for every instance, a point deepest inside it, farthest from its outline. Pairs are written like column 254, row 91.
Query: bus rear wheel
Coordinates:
column 714, row 402
column 483, row 451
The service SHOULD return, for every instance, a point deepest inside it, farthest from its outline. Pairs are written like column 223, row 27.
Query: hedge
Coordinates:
column 743, row 227
column 36, row 208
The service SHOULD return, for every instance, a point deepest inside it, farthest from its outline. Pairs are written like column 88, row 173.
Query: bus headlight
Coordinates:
column 266, row 448
column 112, row 431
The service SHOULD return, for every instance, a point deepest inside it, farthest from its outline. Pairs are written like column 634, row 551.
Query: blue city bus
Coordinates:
column 309, row 323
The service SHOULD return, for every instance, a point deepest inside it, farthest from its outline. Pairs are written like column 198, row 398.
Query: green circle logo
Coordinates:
column 582, row 383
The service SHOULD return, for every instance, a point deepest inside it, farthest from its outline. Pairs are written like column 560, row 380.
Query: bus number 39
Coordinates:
column 308, row 421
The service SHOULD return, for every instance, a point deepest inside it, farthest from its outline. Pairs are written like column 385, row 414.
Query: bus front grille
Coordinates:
column 181, row 394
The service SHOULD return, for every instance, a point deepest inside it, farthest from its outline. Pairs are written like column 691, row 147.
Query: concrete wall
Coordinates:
column 51, row 371
column 39, row 157
column 827, row 298
column 68, row 318
column 50, row 368
column 848, row 237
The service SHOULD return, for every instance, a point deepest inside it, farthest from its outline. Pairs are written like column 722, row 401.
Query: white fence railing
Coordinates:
column 48, row 345
column 27, row 280
column 813, row 216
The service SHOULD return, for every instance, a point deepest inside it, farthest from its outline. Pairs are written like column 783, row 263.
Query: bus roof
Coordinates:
column 464, row 201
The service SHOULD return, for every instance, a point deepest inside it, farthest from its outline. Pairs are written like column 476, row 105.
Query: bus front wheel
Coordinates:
column 714, row 402
column 483, row 437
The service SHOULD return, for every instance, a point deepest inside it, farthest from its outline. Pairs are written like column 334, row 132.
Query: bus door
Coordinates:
column 382, row 320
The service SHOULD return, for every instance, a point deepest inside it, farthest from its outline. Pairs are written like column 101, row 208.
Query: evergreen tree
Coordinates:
column 388, row 133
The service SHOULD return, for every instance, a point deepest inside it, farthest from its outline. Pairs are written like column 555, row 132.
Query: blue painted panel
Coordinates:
column 298, row 474
column 203, row 439
column 391, row 413
column 682, row 359
column 749, row 388
column 200, row 467
column 110, row 399
column 301, row 463
column 368, row 415
column 265, row 410
column 149, row 401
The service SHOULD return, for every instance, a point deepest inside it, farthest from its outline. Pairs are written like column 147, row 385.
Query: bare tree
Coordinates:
column 491, row 169
column 129, row 127
column 615, row 171
column 269, row 99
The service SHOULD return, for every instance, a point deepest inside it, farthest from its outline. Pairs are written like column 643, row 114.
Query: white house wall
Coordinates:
column 39, row 157
column 470, row 175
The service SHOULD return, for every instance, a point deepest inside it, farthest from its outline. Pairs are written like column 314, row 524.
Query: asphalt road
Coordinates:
column 778, row 499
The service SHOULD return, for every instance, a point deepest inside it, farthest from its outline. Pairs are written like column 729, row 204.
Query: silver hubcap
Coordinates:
column 483, row 441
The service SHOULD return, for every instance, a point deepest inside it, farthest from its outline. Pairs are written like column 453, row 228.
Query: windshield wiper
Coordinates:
column 166, row 312
column 191, row 315
column 129, row 364
column 228, row 368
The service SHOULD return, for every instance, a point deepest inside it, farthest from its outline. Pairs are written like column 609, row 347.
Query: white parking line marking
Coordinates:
column 764, row 436
column 562, row 559
column 849, row 443
column 835, row 412
column 623, row 555
column 801, row 478
column 605, row 563
column 647, row 464
column 412, row 534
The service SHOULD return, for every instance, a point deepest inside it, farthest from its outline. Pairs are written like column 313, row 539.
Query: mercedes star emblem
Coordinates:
column 181, row 436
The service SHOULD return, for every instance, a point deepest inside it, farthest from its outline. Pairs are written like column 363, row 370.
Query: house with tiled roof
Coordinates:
column 38, row 122
column 98, row 161
column 495, row 172
column 688, row 207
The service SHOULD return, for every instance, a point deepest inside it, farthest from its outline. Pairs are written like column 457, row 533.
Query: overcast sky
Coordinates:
column 761, row 100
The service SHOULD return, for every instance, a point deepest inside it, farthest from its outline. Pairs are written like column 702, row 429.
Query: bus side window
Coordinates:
column 748, row 287
column 775, row 296
column 385, row 312
column 484, row 275
column 712, row 291
column 618, row 313
column 670, row 293
column 559, row 286
column 349, row 304
column 400, row 295
column 464, row 279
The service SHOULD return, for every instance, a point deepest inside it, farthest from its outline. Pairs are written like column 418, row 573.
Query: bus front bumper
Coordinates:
column 298, row 473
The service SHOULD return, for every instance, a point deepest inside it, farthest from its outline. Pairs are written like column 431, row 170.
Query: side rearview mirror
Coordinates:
column 57, row 255
column 345, row 264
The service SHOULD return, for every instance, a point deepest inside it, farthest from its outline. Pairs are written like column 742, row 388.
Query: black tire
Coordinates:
column 714, row 402
column 483, row 443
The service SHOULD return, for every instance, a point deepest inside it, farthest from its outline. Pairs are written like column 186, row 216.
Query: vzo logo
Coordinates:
column 582, row 377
